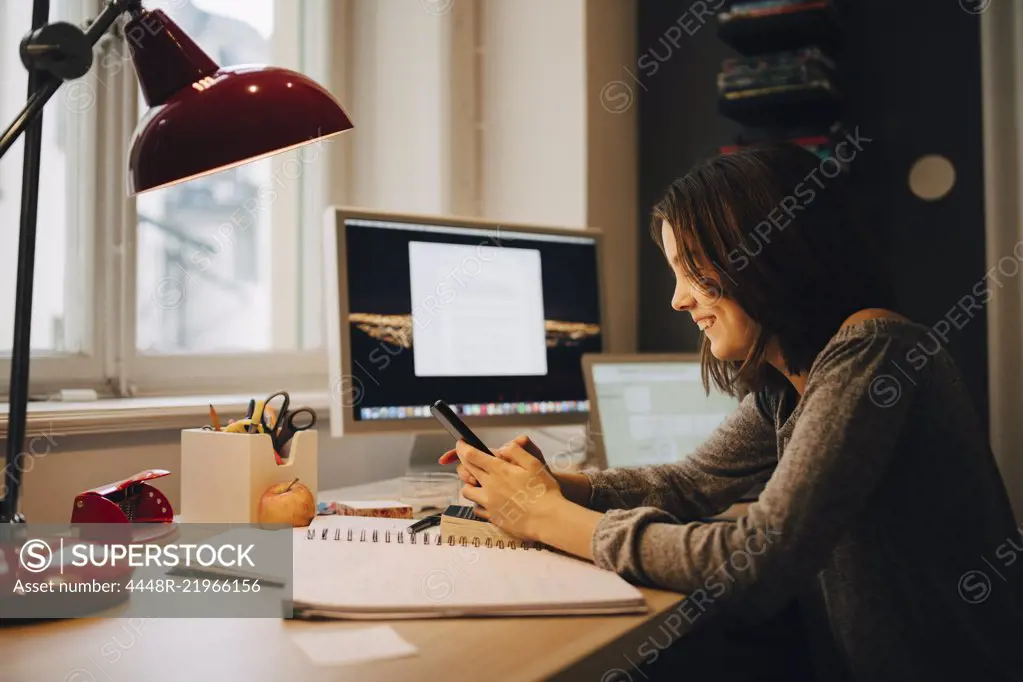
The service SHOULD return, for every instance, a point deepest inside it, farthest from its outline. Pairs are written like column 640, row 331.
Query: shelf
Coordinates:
column 822, row 145
column 815, row 143
column 809, row 23
column 783, row 107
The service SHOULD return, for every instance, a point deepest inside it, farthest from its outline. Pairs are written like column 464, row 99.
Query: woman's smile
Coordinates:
column 705, row 322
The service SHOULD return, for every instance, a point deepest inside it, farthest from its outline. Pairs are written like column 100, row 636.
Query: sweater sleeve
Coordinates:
column 853, row 410
column 740, row 453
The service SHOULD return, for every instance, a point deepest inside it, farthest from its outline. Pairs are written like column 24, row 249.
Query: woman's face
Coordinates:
column 729, row 329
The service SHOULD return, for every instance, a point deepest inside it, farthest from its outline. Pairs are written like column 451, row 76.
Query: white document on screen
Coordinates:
column 476, row 312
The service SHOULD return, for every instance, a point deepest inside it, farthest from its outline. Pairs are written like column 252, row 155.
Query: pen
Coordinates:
column 424, row 523
column 256, row 417
column 249, row 412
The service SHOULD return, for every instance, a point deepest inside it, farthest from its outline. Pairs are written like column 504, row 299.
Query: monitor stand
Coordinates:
column 426, row 448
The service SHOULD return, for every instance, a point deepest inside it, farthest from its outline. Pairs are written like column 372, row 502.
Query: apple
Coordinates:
column 290, row 504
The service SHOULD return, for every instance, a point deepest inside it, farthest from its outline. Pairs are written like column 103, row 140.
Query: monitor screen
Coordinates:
column 654, row 412
column 492, row 320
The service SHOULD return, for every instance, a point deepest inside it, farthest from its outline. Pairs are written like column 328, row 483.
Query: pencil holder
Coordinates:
column 223, row 475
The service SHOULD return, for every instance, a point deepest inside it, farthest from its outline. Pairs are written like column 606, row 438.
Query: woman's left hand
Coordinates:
column 517, row 492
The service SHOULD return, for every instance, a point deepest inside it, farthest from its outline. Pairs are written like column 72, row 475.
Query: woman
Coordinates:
column 881, row 492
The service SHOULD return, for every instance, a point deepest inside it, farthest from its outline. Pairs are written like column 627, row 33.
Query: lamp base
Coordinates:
column 22, row 601
column 86, row 606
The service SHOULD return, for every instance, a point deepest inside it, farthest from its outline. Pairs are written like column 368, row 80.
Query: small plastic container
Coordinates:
column 430, row 490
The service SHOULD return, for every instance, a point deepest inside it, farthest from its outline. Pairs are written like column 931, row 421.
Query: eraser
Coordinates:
column 383, row 509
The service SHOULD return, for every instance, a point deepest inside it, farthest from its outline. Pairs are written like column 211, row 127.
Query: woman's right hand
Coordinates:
column 574, row 486
column 522, row 441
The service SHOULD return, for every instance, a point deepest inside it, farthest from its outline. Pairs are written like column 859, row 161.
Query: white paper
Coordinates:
column 331, row 645
column 389, row 579
column 476, row 317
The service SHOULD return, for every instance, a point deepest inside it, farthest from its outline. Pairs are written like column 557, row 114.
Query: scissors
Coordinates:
column 286, row 422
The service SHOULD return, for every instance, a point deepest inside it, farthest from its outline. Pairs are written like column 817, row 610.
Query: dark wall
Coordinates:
column 678, row 126
column 910, row 75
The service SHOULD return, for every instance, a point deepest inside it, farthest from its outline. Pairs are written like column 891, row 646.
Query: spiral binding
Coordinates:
column 424, row 539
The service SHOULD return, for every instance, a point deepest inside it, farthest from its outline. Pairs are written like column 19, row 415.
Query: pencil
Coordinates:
column 214, row 421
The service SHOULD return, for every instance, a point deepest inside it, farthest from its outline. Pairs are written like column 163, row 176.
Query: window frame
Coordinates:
column 193, row 373
column 50, row 371
column 106, row 240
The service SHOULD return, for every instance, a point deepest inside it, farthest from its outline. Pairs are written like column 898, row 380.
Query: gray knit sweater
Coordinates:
column 883, row 514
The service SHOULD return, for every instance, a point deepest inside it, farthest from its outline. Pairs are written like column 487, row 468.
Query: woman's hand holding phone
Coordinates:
column 574, row 486
column 522, row 441
column 516, row 490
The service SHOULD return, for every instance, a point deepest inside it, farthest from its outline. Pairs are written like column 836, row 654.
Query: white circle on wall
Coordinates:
column 932, row 177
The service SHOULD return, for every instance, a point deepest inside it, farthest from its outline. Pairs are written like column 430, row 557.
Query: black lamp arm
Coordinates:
column 62, row 52
column 52, row 53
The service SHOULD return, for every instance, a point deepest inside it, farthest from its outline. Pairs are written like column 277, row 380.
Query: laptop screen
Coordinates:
column 654, row 412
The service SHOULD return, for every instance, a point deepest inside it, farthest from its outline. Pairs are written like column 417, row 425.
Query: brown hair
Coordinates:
column 774, row 229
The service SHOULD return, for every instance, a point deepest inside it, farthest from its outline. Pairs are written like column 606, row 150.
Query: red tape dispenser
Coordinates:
column 132, row 500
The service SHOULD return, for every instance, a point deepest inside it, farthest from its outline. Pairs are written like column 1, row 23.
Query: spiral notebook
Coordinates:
column 364, row 568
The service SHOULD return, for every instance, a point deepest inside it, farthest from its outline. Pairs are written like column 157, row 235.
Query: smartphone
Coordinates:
column 456, row 427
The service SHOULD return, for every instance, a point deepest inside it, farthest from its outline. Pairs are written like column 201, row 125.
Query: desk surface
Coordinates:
column 121, row 649
column 128, row 650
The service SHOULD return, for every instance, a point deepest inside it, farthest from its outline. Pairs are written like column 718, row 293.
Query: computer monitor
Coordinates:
column 492, row 319
column 649, row 409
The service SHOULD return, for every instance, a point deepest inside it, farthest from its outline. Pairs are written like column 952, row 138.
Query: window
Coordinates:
column 192, row 288
column 57, row 325
column 215, row 285
column 218, row 268
column 203, row 268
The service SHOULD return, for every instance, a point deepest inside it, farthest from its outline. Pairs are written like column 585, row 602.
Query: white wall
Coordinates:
column 400, row 106
column 552, row 153
column 534, row 111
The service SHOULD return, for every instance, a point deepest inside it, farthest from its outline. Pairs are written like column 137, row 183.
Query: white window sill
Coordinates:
column 118, row 415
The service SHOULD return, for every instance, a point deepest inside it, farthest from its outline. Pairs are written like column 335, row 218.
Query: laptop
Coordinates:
column 649, row 409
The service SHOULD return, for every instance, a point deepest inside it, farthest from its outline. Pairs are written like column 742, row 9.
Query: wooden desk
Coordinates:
column 209, row 650
column 212, row 650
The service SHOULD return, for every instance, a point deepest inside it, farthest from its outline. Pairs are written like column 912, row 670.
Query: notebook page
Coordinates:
column 391, row 577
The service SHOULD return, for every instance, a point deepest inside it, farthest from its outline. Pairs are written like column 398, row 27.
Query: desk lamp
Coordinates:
column 203, row 118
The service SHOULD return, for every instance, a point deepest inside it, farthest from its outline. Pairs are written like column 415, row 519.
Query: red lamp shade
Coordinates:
column 204, row 118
